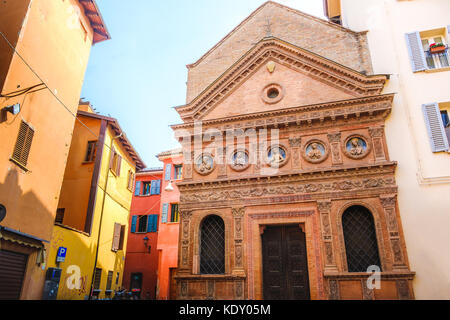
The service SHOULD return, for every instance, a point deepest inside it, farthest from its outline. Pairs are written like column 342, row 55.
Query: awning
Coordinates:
column 24, row 239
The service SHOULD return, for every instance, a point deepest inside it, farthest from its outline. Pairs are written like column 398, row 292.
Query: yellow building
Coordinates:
column 44, row 51
column 92, row 217
column 409, row 40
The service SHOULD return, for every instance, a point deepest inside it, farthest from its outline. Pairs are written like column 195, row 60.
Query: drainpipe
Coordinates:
column 101, row 218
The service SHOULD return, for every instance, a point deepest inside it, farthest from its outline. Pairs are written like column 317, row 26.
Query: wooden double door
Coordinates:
column 285, row 265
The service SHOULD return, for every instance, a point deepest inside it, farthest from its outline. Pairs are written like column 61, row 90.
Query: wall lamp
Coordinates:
column 13, row 109
column 146, row 243
column 169, row 187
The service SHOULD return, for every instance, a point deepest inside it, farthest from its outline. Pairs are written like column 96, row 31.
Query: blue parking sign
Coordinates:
column 61, row 256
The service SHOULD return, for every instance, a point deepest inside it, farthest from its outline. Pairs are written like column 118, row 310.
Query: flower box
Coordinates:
column 437, row 48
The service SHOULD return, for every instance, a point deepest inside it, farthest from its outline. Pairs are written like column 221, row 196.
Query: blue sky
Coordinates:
column 140, row 74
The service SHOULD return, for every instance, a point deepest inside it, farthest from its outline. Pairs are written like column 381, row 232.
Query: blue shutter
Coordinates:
column 152, row 223
column 416, row 53
column 158, row 186
column 137, row 189
column 133, row 223
column 155, row 224
column 165, row 211
column 168, row 172
column 152, row 187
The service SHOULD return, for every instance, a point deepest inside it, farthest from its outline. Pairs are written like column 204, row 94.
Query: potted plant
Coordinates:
column 437, row 48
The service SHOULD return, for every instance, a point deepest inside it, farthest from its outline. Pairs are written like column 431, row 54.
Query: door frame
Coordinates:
column 301, row 227
column 305, row 218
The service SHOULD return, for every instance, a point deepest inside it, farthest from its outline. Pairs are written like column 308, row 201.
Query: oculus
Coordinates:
column 204, row 163
column 272, row 93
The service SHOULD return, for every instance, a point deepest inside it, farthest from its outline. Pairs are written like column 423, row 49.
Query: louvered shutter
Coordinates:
column 168, row 172
column 155, row 223
column 133, row 224
column 153, row 187
column 158, row 186
column 435, row 127
column 23, row 144
column 111, row 158
column 116, row 237
column 165, row 211
column 137, row 188
column 119, row 164
column 416, row 53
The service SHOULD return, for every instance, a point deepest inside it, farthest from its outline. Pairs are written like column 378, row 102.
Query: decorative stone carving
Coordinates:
column 295, row 142
column 277, row 156
column 183, row 289
column 377, row 140
column 335, row 142
column 204, row 164
column 315, row 151
column 403, row 290
column 210, row 290
column 239, row 160
column 239, row 290
column 356, row 147
column 333, row 290
column 367, row 293
column 272, row 93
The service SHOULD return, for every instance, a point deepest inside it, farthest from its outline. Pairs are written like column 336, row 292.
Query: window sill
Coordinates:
column 17, row 163
column 437, row 70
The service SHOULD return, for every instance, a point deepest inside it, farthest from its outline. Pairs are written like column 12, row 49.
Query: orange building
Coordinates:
column 40, row 87
column 141, row 262
column 169, row 224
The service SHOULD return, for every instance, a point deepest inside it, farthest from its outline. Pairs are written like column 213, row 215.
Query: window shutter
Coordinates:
column 153, row 187
column 119, row 163
column 116, row 237
column 168, row 172
column 23, row 144
column 133, row 224
column 121, row 236
column 158, row 187
column 137, row 188
column 435, row 127
column 155, row 223
column 111, row 158
column 165, row 211
column 415, row 49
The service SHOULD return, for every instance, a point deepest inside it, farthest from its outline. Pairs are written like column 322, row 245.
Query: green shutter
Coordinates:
column 133, row 223
column 165, row 211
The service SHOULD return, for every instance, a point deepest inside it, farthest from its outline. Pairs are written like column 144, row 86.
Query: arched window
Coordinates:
column 212, row 245
column 360, row 239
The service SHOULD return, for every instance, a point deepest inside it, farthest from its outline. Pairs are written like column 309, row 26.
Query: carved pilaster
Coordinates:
column 210, row 292
column 324, row 208
column 188, row 165
column 185, row 239
column 403, row 290
column 367, row 293
column 239, row 290
column 295, row 144
column 238, row 216
column 222, row 167
column 333, row 290
column 377, row 141
column 335, row 146
column 389, row 205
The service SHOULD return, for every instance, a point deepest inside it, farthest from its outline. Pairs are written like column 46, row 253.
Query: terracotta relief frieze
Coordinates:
column 324, row 208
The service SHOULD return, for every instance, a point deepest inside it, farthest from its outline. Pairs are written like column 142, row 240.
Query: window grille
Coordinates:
column 23, row 144
column 360, row 239
column 212, row 250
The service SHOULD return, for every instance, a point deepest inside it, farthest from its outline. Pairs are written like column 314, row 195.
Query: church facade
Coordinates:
column 288, row 188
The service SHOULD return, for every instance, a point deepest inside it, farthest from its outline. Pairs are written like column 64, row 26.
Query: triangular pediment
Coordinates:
column 300, row 76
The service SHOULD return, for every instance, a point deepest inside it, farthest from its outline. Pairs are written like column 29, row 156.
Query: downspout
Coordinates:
column 101, row 218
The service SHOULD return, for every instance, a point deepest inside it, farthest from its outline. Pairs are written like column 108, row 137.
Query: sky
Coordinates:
column 140, row 74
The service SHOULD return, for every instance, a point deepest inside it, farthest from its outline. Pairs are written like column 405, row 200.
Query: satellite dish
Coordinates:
column 2, row 212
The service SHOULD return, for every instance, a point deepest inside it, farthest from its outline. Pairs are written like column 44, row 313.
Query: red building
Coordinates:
column 169, row 224
column 141, row 264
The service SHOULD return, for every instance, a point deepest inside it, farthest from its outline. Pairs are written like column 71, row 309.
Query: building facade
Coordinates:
column 92, row 220
column 289, row 187
column 39, row 91
column 141, row 262
column 409, row 40
column 169, row 225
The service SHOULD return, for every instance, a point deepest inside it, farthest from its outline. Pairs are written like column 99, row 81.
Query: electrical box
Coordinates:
column 51, row 284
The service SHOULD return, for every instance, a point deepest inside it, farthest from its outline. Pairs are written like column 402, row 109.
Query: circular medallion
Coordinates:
column 356, row 147
column 315, row 151
column 239, row 160
column 277, row 156
column 204, row 163
column 272, row 93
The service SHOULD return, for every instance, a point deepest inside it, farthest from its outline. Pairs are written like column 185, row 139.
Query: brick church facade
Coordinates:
column 301, row 202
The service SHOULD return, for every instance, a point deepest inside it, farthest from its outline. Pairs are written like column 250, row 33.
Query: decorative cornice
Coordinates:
column 307, row 114
column 297, row 58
